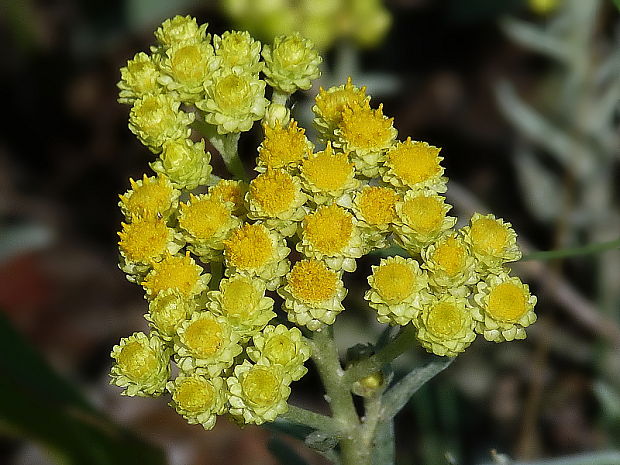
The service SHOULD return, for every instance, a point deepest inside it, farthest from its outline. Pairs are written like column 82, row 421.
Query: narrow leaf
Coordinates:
column 397, row 396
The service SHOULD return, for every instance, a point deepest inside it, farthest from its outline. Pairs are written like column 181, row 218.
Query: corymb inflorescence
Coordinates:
column 239, row 274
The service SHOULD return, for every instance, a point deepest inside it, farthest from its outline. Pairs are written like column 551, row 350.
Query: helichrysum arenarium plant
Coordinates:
column 215, row 255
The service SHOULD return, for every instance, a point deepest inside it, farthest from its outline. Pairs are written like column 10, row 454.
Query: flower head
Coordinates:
column 198, row 399
column 186, row 67
column 181, row 29
column 375, row 208
column 330, row 104
column 366, row 134
column 292, row 63
column 258, row 393
column 206, row 222
column 421, row 219
column 254, row 250
column 178, row 272
column 445, row 326
column 241, row 300
column 142, row 365
column 233, row 101
column 168, row 310
column 449, row 262
column 414, row 165
column 328, row 176
column 331, row 234
column 279, row 345
column 283, row 147
column 145, row 241
column 185, row 163
column 493, row 242
column 230, row 191
column 206, row 343
column 275, row 197
column 139, row 78
column 313, row 294
column 398, row 290
column 238, row 51
column 151, row 197
column 504, row 309
column 156, row 119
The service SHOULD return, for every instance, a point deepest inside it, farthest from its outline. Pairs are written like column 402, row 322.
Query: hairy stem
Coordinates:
column 574, row 251
column 301, row 416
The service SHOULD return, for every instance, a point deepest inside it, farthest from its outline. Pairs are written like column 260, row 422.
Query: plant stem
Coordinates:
column 401, row 343
column 279, row 97
column 573, row 252
column 301, row 416
column 338, row 394
column 226, row 145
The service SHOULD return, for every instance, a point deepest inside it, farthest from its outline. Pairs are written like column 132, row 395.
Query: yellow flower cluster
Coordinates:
column 211, row 258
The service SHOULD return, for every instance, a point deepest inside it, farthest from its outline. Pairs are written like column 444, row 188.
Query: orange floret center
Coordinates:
column 144, row 240
column 274, row 191
column 312, row 282
column 174, row 272
column 377, row 205
column 204, row 217
column 328, row 171
column 329, row 229
column 249, row 247
column 151, row 198
column 414, row 162
column 366, row 129
column 283, row 146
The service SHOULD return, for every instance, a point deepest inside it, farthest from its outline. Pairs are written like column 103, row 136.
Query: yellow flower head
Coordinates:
column 330, row 104
column 142, row 365
column 238, row 51
column 139, row 78
column 421, row 219
column 291, row 63
column 181, row 29
column 168, row 310
column 233, row 101
column 206, row 343
column 445, row 326
column 283, row 147
column 145, row 241
column 493, row 242
column 375, row 207
column 152, row 197
column 276, row 198
column 198, row 399
column 155, row 119
column 206, row 222
column 398, row 290
column 258, row 393
column 328, row 175
column 185, row 163
column 313, row 294
column 186, row 67
column 178, row 272
column 254, row 250
column 279, row 345
column 414, row 165
column 331, row 234
column 230, row 191
column 449, row 262
column 504, row 308
column 241, row 300
column 366, row 134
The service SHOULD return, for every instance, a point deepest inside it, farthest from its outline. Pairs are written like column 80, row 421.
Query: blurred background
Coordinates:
column 522, row 96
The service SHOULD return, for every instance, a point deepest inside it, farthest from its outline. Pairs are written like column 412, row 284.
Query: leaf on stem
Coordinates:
column 397, row 396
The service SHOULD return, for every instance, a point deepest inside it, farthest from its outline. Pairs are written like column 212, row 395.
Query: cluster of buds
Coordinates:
column 214, row 256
